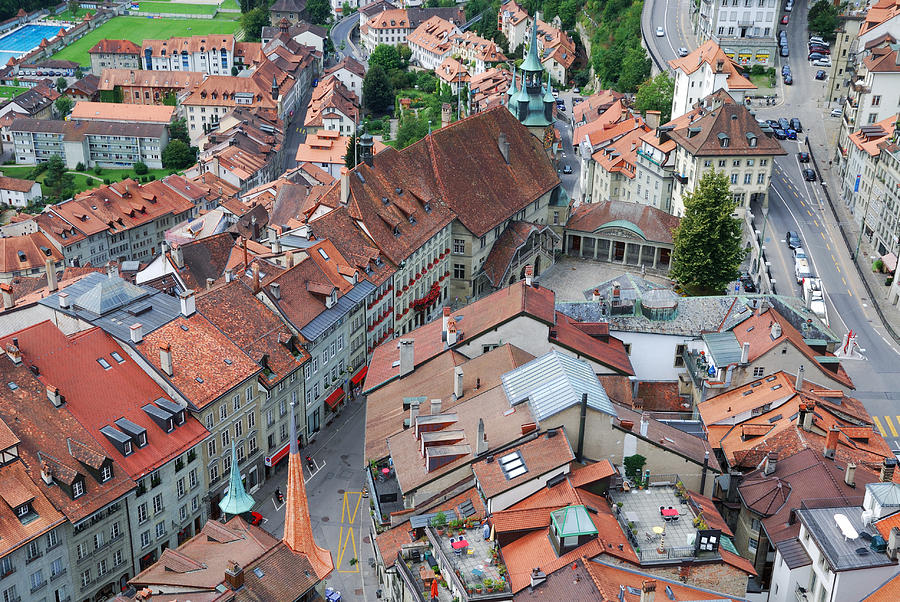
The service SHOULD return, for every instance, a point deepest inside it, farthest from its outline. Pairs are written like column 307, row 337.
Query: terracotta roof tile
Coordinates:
column 540, row 455
column 27, row 252
column 591, row 473
column 728, row 119
column 111, row 111
column 609, row 578
column 16, row 486
column 889, row 591
column 650, row 222
column 712, row 55
column 115, row 47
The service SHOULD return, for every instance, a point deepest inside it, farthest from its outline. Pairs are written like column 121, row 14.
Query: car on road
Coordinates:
column 747, row 283
column 818, row 40
column 567, row 169
column 795, row 124
column 683, row 52
column 815, row 56
column 809, row 175
column 838, row 112
column 803, row 157
column 788, row 79
column 254, row 518
column 826, row 62
column 659, row 32
column 789, row 6
column 561, row 107
column 785, row 52
column 779, row 133
column 785, row 69
column 784, row 19
column 820, row 74
column 792, row 239
column 800, row 253
column 576, row 100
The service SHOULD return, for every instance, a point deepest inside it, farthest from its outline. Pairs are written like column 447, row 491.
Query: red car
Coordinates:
column 784, row 20
column 254, row 518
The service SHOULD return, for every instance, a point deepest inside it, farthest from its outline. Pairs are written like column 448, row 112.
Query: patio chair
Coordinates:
column 674, row 518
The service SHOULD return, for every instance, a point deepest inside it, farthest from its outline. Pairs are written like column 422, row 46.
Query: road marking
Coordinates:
column 798, row 196
column 802, row 203
column 878, row 424
column 850, row 292
column 844, row 281
column 827, row 246
column 348, row 517
column 822, row 233
column 890, row 424
column 809, row 212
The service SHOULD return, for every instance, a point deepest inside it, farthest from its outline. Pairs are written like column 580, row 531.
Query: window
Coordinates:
column 721, row 163
column 679, row 355
column 195, row 503
column 160, row 528
column 763, row 162
column 752, row 544
column 759, row 371
column 105, row 473
column 459, row 271
column 77, row 488
column 56, row 568
column 876, row 100
column 282, row 407
column 211, row 447
column 115, row 531
column 236, row 402
column 34, row 551
column 52, row 540
column 556, row 218
column 284, row 432
column 192, row 478
column 748, row 178
column 238, row 429
column 459, row 246
column 249, row 393
column 210, row 419
column 736, row 163
column 226, row 438
column 182, row 513
column 99, row 540
column 102, row 567
column 340, row 342
column 761, row 178
column 223, row 412
column 179, row 487
column 252, row 445
column 118, row 558
column 157, row 503
column 81, row 550
column 37, row 579
column 226, row 463
column 734, row 178
column 873, row 117
column 251, row 420
column 706, row 163
column 86, row 576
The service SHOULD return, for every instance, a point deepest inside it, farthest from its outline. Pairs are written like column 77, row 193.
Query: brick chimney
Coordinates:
column 445, row 321
column 451, row 333
column 234, row 576
column 165, row 358
column 648, row 590
column 137, row 332
column 887, row 470
column 831, row 441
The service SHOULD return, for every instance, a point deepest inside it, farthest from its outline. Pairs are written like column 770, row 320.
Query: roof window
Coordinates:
column 724, row 140
column 323, row 254
column 104, row 363
column 116, row 356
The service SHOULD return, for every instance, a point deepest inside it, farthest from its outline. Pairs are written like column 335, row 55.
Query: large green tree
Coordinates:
column 708, row 250
column 252, row 23
column 385, row 55
column 318, row 11
column 178, row 130
column 822, row 19
column 411, row 129
column 59, row 185
column 178, row 155
column 656, row 95
column 352, row 157
column 378, row 95
column 64, row 106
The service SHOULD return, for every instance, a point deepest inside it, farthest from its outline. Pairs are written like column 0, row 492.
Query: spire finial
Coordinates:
column 237, row 500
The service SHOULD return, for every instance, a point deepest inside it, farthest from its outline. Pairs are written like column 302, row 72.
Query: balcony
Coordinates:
column 802, row 595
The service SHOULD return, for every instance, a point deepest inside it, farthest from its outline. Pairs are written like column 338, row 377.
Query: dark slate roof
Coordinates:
column 841, row 552
column 288, row 6
column 793, row 553
column 345, row 305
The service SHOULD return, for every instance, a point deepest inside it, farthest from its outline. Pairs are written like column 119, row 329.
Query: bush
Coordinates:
column 877, row 265
column 140, row 168
column 106, row 181
column 79, row 167
column 152, row 177
column 98, row 170
column 757, row 70
column 889, row 281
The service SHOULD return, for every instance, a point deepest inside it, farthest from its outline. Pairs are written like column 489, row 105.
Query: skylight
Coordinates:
column 513, row 465
column 104, row 363
column 116, row 356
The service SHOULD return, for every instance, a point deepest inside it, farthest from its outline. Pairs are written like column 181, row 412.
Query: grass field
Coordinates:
column 66, row 15
column 83, row 180
column 178, row 8
column 232, row 4
column 10, row 91
column 137, row 29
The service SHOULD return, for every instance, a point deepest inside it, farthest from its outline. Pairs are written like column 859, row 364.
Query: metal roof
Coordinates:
column 344, row 305
column 723, row 347
column 108, row 294
column 842, row 552
column 554, row 382
column 572, row 521
column 794, row 553
column 886, row 494
column 152, row 310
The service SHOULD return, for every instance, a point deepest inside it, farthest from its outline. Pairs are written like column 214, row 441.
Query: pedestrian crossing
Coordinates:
column 886, row 425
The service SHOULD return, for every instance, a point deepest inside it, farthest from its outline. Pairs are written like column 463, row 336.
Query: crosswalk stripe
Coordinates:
column 890, row 424
column 878, row 424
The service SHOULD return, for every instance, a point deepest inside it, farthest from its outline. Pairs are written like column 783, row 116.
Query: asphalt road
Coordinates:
column 674, row 17
column 571, row 182
column 342, row 33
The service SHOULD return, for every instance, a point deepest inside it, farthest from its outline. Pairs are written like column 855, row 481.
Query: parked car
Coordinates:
column 796, row 125
column 809, row 175
column 791, row 134
column 815, row 56
column 803, row 157
column 784, row 20
column 659, row 32
column 576, row 100
column 785, row 52
column 772, row 123
column 779, row 133
column 838, row 112
column 799, row 253
column 819, row 49
column 576, row 90
column 792, row 239
column 561, row 108
column 818, row 40
column 820, row 75
column 788, row 7
column 747, row 283
column 682, row 52
column 783, row 123
column 826, row 62
column 788, row 80
column 567, row 169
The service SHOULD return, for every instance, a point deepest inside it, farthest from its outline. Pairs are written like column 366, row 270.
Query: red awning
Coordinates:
column 277, row 456
column 359, row 376
column 335, row 398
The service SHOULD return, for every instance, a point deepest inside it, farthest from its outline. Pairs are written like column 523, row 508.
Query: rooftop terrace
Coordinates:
column 468, row 561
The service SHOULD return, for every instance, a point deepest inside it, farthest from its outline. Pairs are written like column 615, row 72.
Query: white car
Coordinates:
column 837, row 112
column 822, row 62
column 683, row 52
column 659, row 32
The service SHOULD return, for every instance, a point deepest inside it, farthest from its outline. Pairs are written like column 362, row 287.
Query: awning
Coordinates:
column 280, row 454
column 890, row 261
column 335, row 398
column 359, row 376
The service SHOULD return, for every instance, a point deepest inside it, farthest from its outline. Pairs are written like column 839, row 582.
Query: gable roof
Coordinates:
column 106, row 46
column 709, row 53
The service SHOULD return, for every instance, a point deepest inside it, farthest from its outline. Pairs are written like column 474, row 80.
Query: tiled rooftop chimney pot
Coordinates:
column 648, row 590
column 537, row 577
column 137, row 332
column 887, row 470
column 458, row 382
column 7, row 291
column 808, row 417
column 275, row 289
column 46, row 473
column 64, row 300
column 345, row 185
column 229, row 275
column 503, row 145
column 188, row 303
column 452, row 333
column 771, row 463
column 445, row 321
column 165, row 358
column 831, row 441
column 798, row 385
column 178, row 256
column 595, row 296
column 50, row 267
column 893, row 547
column 435, row 407
column 14, row 354
column 413, row 412
column 645, row 425
column 234, row 576
column 276, row 244
column 529, row 274
column 850, row 475
column 54, row 396
column 407, row 357
column 481, row 444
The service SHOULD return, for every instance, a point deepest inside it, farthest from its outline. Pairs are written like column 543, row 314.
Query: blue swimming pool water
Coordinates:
column 28, row 37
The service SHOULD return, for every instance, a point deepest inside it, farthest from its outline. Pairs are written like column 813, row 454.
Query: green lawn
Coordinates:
column 137, row 29
column 83, row 180
column 67, row 15
column 10, row 91
column 178, row 8
column 232, row 4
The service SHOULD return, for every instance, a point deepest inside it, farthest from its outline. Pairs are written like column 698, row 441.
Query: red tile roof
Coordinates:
column 591, row 473
column 540, row 455
column 13, row 532
column 711, row 54
column 115, row 47
column 889, row 591
column 98, row 397
column 652, row 224
column 26, row 252
column 609, row 578
column 199, row 351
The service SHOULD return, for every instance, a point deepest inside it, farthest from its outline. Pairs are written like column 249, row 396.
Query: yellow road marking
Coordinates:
column 802, row 203
column 823, row 235
column 827, row 246
column 890, row 424
column 842, row 280
column 348, row 517
column 796, row 195
column 850, row 292
column 816, row 223
column 878, row 424
column 809, row 212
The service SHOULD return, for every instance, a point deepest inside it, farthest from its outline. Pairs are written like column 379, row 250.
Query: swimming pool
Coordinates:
column 28, row 37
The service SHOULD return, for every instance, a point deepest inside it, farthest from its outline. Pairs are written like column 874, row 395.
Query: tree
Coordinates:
column 822, row 19
column 385, row 55
column 378, row 95
column 178, row 155
column 352, row 156
column 318, row 11
column 178, row 130
column 634, row 466
column 635, row 69
column 411, row 129
column 61, row 84
column 252, row 23
column 708, row 249
column 63, row 106
column 656, row 95
column 58, row 184
column 78, row 73
column 568, row 11
column 73, row 6
column 140, row 168
column 170, row 100
column 405, row 55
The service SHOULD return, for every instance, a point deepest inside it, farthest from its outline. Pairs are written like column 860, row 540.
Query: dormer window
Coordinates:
column 127, row 449
column 751, row 139
column 724, row 141
column 106, row 473
column 78, row 488
column 23, row 510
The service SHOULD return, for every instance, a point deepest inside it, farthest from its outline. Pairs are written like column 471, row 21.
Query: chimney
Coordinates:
column 407, row 357
column 46, row 474
column 234, row 576
column 850, row 475
column 14, row 354
column 529, row 274
column 893, row 547
column 112, row 270
column 137, row 332
column 446, row 320
column 798, row 385
column 537, row 577
column 595, row 296
column 645, row 424
column 229, row 275
column 808, row 417
column 745, row 352
column 188, row 303
column 451, row 333
column 8, row 302
column 648, row 590
column 209, row 283
column 276, row 244
column 64, row 300
column 887, row 470
column 54, row 396
column 165, row 358
column 831, row 441
column 457, row 382
column 163, row 248
column 481, row 444
column 275, row 290
column 177, row 256
column 435, row 407
column 49, row 266
column 503, row 144
column 652, row 118
column 445, row 115
column 345, row 185
column 771, row 463
column 582, row 420
column 413, row 412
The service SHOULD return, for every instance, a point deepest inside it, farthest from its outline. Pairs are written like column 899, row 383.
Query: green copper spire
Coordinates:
column 512, row 87
column 237, row 500
column 548, row 91
column 532, row 63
